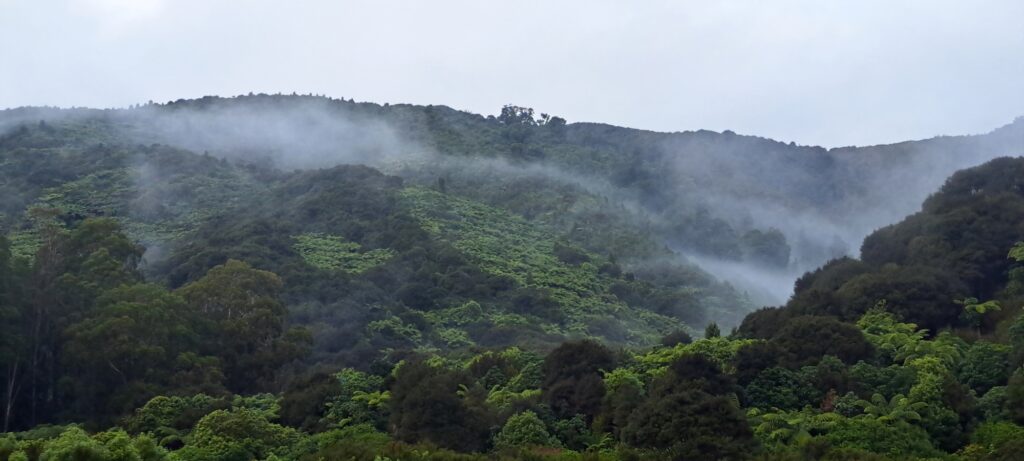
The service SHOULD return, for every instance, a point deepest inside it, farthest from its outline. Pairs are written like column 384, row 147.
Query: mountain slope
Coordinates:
column 924, row 266
column 754, row 211
column 361, row 257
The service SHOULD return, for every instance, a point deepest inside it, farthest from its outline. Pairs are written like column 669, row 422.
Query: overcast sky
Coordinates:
column 816, row 72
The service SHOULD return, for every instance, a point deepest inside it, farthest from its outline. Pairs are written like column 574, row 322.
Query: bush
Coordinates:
column 522, row 430
column 805, row 340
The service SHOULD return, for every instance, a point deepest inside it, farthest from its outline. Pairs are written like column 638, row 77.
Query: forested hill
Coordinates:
column 925, row 266
column 298, row 277
column 752, row 210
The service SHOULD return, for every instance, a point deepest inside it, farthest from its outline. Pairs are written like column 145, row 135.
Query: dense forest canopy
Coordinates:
column 298, row 277
column 752, row 210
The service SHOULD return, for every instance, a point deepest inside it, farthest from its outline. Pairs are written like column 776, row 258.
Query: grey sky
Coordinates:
column 815, row 72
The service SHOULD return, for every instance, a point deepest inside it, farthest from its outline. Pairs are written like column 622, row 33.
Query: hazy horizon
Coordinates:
column 816, row 74
column 982, row 131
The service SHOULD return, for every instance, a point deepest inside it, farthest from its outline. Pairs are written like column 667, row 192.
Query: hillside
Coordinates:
column 297, row 277
column 756, row 211
column 370, row 262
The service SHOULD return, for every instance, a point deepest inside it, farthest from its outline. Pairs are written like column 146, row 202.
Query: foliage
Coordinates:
column 993, row 435
column 872, row 435
column 426, row 405
column 522, row 430
column 805, row 339
column 360, row 398
column 572, row 382
column 74, row 444
column 691, row 425
column 898, row 409
column 777, row 430
column 332, row 252
column 243, row 304
column 779, row 388
column 892, row 339
column 509, row 247
column 720, row 350
column 241, row 434
column 984, row 366
column 164, row 415
column 975, row 310
column 210, row 309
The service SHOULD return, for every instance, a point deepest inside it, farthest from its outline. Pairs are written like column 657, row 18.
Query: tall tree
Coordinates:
column 124, row 351
column 12, row 330
column 249, row 323
column 573, row 381
column 71, row 268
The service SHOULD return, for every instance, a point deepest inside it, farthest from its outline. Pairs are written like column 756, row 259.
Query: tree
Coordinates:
column 248, row 322
column 899, row 439
column 304, row 400
column 624, row 393
column 779, row 388
column 1015, row 282
column 124, row 351
column 764, row 323
column 523, row 430
column 676, row 337
column 691, row 425
column 425, row 405
column 975, row 310
column 70, row 270
column 515, row 115
column 1017, row 252
column 13, row 338
column 572, row 378
column 918, row 294
column 806, row 339
column 691, row 413
column 768, row 248
column 1015, row 397
column 357, row 398
column 239, row 434
column 752, row 359
column 98, row 255
column 694, row 371
column 895, row 410
column 1016, row 334
column 893, row 340
column 170, row 416
column 889, row 380
column 779, row 429
column 985, row 365
column 712, row 331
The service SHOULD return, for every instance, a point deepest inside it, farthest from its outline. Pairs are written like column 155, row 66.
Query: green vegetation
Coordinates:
column 331, row 252
column 509, row 247
column 158, row 304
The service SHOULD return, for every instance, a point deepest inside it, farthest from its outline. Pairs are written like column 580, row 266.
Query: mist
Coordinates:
column 303, row 133
column 823, row 201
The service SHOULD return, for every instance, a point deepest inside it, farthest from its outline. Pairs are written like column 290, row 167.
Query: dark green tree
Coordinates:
column 123, row 352
column 691, row 425
column 572, row 378
column 248, row 322
column 805, row 340
column 712, row 331
column 985, row 366
column 13, row 338
column 779, row 388
column 426, row 406
column 1015, row 397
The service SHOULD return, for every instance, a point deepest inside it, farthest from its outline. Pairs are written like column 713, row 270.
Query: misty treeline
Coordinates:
column 294, row 277
column 755, row 211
